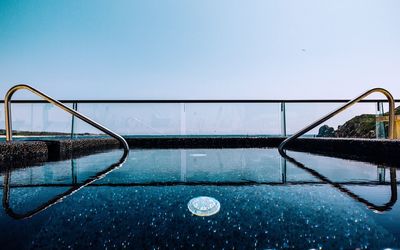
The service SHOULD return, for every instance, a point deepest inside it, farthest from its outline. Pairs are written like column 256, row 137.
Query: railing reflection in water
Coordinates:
column 341, row 186
column 75, row 188
column 184, row 178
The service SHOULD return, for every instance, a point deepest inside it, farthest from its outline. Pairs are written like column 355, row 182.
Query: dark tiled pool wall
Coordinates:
column 19, row 154
column 64, row 149
column 205, row 142
column 377, row 151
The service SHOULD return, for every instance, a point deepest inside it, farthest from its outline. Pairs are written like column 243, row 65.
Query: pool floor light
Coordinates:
column 204, row 206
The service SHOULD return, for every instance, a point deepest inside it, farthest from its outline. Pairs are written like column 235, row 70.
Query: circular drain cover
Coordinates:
column 204, row 206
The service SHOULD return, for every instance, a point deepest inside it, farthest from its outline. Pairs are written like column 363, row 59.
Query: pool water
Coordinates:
column 265, row 202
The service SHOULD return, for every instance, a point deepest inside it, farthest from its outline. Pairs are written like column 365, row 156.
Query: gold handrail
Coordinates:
column 342, row 108
column 8, row 120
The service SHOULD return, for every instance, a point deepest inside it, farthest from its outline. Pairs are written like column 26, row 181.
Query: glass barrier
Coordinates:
column 195, row 119
column 299, row 115
column 37, row 119
column 184, row 118
column 232, row 119
column 2, row 124
column 132, row 119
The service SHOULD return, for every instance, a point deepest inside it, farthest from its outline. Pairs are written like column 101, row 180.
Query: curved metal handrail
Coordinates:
column 342, row 108
column 7, row 109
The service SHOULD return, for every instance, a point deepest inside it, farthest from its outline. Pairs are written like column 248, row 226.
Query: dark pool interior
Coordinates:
column 267, row 202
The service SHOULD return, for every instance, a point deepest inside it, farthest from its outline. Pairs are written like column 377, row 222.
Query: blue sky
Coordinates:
column 200, row 49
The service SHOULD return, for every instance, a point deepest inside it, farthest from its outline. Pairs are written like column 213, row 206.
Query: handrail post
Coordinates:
column 74, row 107
column 283, row 118
column 8, row 119
column 379, row 126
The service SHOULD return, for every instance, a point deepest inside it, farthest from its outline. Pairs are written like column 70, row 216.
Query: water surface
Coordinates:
column 266, row 202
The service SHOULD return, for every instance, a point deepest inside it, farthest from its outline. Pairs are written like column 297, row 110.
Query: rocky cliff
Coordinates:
column 362, row 126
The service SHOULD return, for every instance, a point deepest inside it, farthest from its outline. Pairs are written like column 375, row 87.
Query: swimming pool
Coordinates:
column 265, row 201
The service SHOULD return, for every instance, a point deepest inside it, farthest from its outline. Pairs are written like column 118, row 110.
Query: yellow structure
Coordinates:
column 385, row 118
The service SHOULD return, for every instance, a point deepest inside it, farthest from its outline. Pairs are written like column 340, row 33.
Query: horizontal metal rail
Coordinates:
column 208, row 101
column 8, row 120
column 350, row 103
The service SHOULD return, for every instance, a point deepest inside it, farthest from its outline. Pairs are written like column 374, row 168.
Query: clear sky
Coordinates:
column 200, row 49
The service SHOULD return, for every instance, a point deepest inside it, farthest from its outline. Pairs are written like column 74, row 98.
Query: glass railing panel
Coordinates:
column 37, row 119
column 184, row 118
column 132, row 118
column 232, row 119
column 166, row 119
column 2, row 117
column 299, row 115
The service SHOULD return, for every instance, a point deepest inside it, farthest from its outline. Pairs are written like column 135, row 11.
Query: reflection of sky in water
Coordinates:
column 129, row 207
column 201, row 165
